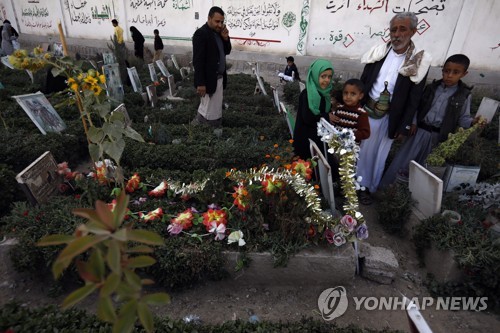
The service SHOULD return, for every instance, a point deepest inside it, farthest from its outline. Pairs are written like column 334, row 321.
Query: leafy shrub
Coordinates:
column 10, row 189
column 394, row 208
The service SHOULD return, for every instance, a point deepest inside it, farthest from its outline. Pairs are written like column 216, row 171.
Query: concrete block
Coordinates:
column 426, row 189
column 328, row 266
column 378, row 264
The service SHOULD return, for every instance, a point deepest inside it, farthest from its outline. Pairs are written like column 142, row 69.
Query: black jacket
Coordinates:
column 206, row 58
column 158, row 44
column 404, row 101
column 453, row 108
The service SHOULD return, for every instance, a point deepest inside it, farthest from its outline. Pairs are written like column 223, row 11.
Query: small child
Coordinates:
column 291, row 73
column 444, row 106
column 350, row 114
column 158, row 45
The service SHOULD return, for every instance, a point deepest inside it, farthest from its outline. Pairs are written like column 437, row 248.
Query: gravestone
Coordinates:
column 288, row 118
column 174, row 61
column 426, row 189
column 152, row 72
column 171, row 85
column 108, row 58
column 134, row 78
column 123, row 110
column 40, row 180
column 114, row 86
column 6, row 62
column 324, row 171
column 163, row 68
column 259, row 80
column 276, row 98
column 488, row 108
column 302, row 86
column 153, row 98
column 458, row 177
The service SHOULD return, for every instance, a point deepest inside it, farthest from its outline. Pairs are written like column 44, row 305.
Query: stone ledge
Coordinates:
column 319, row 266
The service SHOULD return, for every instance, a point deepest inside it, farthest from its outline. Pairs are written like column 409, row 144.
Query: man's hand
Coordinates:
column 224, row 33
column 413, row 130
column 399, row 136
column 201, row 90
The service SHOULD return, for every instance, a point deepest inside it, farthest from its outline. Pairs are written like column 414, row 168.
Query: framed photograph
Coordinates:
column 123, row 110
column 58, row 50
column 152, row 72
column 114, row 86
column 163, row 68
column 108, row 58
column 41, row 112
column 134, row 78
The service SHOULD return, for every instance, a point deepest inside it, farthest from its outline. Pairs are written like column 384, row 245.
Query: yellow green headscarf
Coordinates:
column 314, row 91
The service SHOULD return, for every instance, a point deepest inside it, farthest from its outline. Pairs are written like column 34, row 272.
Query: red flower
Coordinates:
column 214, row 215
column 184, row 219
column 311, row 232
column 133, row 183
column 100, row 174
column 270, row 186
column 241, row 198
column 159, row 191
column 152, row 215
column 303, row 168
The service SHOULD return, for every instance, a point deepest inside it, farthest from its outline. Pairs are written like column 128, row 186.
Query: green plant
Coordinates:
column 111, row 265
column 394, row 208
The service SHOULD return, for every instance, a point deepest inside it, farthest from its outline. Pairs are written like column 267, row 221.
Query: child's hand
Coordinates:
column 333, row 118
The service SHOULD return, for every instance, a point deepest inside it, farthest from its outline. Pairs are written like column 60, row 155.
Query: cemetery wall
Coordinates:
column 342, row 29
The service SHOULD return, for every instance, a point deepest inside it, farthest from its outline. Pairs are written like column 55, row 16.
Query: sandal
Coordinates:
column 365, row 198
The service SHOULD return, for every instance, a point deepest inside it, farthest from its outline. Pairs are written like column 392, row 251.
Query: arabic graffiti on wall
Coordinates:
column 347, row 37
column 304, row 22
column 264, row 16
column 88, row 12
column 35, row 16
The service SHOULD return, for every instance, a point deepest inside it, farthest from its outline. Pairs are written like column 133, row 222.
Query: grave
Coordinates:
column 426, row 189
column 114, row 86
column 153, row 98
column 123, row 110
column 379, row 264
column 488, row 108
column 276, row 98
column 134, row 79
column 288, row 118
column 163, row 69
column 108, row 58
column 324, row 171
column 152, row 73
column 40, row 180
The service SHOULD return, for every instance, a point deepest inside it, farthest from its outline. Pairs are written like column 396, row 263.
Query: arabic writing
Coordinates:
column 148, row 4
column 35, row 11
column 37, row 24
column 182, row 4
column 254, row 17
column 83, row 12
column 418, row 7
column 149, row 20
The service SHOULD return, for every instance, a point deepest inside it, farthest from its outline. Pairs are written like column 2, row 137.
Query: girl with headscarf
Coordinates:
column 314, row 104
column 138, row 39
column 7, row 38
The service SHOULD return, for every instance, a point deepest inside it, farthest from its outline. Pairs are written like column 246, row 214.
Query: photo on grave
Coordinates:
column 152, row 72
column 134, row 78
column 41, row 112
column 151, row 90
column 162, row 67
column 40, row 180
column 114, row 87
column 108, row 58
column 58, row 50
column 123, row 110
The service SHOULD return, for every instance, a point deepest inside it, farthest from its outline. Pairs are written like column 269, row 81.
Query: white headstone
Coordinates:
column 123, row 110
column 302, row 86
column 288, row 118
column 276, row 98
column 162, row 67
column 171, row 85
column 134, row 78
column 114, row 86
column 426, row 189
column 152, row 73
column 174, row 61
column 488, row 108
column 153, row 98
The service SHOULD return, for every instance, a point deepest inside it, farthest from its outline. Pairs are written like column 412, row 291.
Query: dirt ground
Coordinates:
column 216, row 302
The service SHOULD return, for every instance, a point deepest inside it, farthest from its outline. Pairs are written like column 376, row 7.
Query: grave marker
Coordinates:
column 302, row 86
column 171, row 85
column 426, row 189
column 6, row 62
column 40, row 180
column 153, row 98
column 134, row 78
column 163, row 68
column 108, row 58
column 123, row 110
column 488, row 108
column 114, row 86
column 174, row 61
column 324, row 171
column 276, row 98
column 152, row 72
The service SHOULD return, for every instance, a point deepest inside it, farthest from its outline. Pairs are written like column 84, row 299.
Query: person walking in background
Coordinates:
column 211, row 44
column 291, row 72
column 14, row 32
column 138, row 39
column 7, row 38
column 445, row 106
column 158, row 45
column 118, row 32
column 394, row 77
column 314, row 104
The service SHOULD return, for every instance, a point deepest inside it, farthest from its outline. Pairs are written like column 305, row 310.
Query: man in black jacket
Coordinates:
column 211, row 44
column 394, row 78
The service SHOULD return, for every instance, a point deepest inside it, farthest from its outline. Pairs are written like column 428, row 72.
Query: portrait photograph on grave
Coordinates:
column 152, row 72
column 134, row 78
column 108, row 58
column 41, row 112
column 58, row 50
column 114, row 87
column 163, row 68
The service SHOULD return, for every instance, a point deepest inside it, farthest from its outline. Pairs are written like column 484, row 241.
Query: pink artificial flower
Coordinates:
column 339, row 239
column 174, row 229
column 329, row 235
column 349, row 222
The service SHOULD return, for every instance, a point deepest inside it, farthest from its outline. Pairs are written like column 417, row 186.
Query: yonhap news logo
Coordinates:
column 333, row 302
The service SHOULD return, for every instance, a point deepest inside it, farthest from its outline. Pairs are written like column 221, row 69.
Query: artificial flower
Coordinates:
column 218, row 230
column 302, row 168
column 270, row 185
column 236, row 236
column 349, row 222
column 362, row 231
column 152, row 215
column 218, row 216
column 133, row 183
column 184, row 219
column 241, row 198
column 339, row 239
column 174, row 229
column 159, row 190
column 329, row 235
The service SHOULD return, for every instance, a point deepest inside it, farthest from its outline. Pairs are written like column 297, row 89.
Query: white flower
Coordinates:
column 218, row 230
column 236, row 236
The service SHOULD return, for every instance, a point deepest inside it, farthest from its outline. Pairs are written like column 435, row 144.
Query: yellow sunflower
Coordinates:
column 96, row 89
